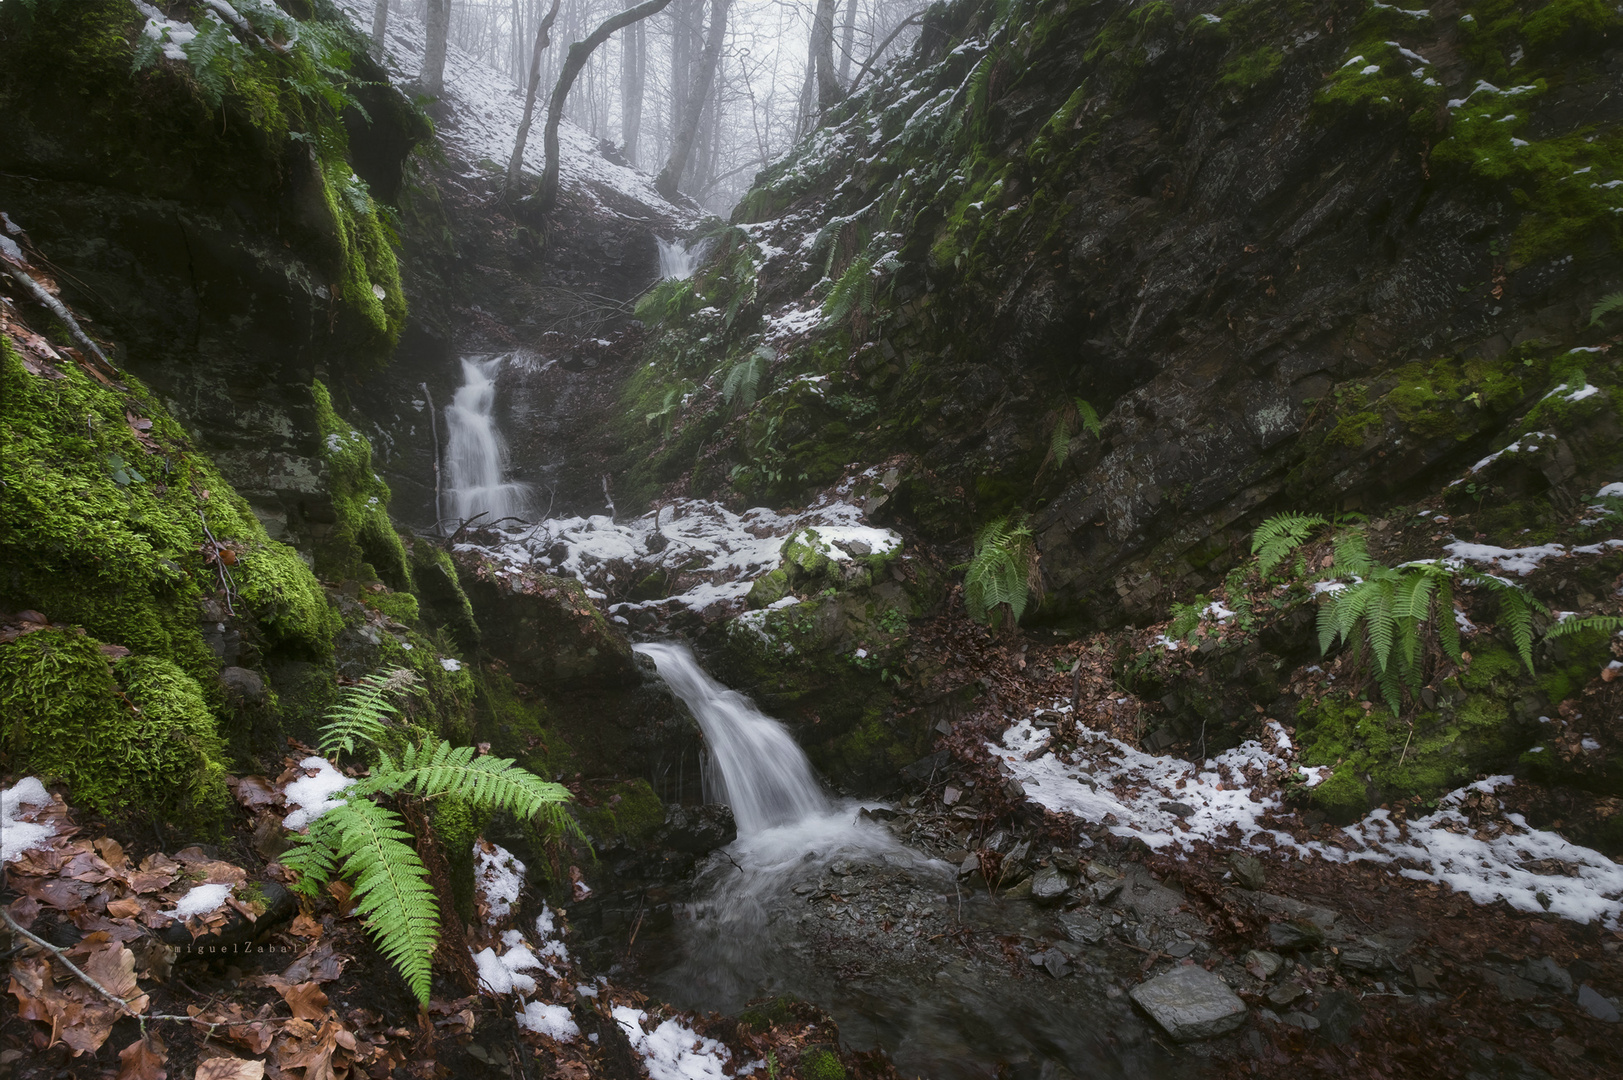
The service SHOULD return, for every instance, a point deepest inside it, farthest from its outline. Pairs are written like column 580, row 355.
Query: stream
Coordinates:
column 816, row 899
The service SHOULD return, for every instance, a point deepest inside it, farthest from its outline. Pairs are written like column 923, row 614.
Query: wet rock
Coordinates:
column 1303, row 1020
column 238, row 931
column 1190, row 1003
column 1339, row 1013
column 1546, row 972
column 1264, row 965
column 1082, row 928
column 1294, row 935
column 1543, row 1019
column 1180, row 949
column 925, row 768
column 1049, row 886
column 1013, row 790
column 1591, row 1002
column 697, row 830
column 1510, row 987
column 1247, row 871
column 1098, row 871
column 1424, row 977
column 1021, row 890
column 970, row 865
column 1103, row 892
column 1177, row 809
column 1285, row 993
column 1056, row 963
column 243, row 685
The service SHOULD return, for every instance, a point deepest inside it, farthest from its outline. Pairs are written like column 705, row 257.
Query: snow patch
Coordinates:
column 498, row 878
column 673, row 1051
column 17, row 836
column 202, row 900
column 312, row 796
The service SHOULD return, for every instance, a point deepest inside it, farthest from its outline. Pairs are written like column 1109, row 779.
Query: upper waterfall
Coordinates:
column 475, row 453
column 677, row 260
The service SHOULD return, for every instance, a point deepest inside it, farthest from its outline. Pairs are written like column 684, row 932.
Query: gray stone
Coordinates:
column 1546, row 972
column 1301, row 1019
column 1190, row 1003
column 1294, row 935
column 1098, row 871
column 1049, row 885
column 1264, row 965
column 1180, row 949
column 1103, row 892
column 1339, row 1013
column 1510, row 987
column 243, row 685
column 1591, row 1002
column 1285, row 993
column 1082, row 928
column 1247, row 871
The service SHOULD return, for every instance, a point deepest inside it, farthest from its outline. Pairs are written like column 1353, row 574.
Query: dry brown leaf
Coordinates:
column 230, row 1068
column 304, row 926
column 124, row 909
column 305, row 999
column 143, row 1059
column 114, row 968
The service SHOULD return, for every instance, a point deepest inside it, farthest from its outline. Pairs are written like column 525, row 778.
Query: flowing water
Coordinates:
column 677, row 260
column 476, row 454
column 760, row 926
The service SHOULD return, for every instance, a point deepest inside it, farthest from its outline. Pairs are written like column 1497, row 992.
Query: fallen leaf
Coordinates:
column 305, row 999
column 230, row 1068
column 143, row 1059
column 124, row 909
column 304, row 926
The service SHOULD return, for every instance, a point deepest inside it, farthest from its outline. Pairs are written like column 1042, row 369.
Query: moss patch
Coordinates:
column 364, row 544
column 147, row 745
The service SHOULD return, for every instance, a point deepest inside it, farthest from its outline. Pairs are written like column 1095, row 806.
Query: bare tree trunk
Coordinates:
column 808, row 91
column 380, row 27
column 633, row 71
column 671, row 175
column 432, row 79
column 547, row 196
column 848, row 41
column 828, row 83
column 543, row 37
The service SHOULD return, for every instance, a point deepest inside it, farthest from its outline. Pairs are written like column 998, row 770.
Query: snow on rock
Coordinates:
column 673, row 1051
column 16, row 835
column 504, row 973
column 312, row 796
column 1611, row 491
column 1519, row 561
column 498, row 878
column 553, row 1021
column 717, row 553
column 483, row 110
column 202, row 900
column 1488, row 861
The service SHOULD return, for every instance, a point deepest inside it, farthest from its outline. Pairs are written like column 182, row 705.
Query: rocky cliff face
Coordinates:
column 216, row 212
column 1315, row 255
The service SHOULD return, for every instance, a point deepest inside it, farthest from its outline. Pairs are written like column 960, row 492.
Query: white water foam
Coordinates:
column 678, row 261
column 476, row 453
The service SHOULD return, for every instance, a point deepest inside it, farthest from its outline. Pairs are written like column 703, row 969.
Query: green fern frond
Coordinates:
column 312, row 858
column 487, row 783
column 852, row 295
column 1608, row 304
column 1279, row 536
column 1609, row 623
column 360, row 714
column 391, row 888
column 743, row 380
column 1448, row 629
column 1089, row 418
column 999, row 576
column 1352, row 552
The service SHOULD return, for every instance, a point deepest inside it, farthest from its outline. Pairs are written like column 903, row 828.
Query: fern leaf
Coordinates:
column 1327, row 622
column 1608, row 304
column 1279, row 536
column 1514, row 606
column 360, row 714
column 1448, row 628
column 391, row 888
column 1089, row 418
column 1609, row 623
column 1352, row 552
column 442, row 770
column 1391, row 690
column 1379, row 624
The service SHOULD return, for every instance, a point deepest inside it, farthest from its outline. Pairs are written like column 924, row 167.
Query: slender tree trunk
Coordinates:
column 432, row 79
column 828, row 83
column 543, row 38
column 380, row 27
column 633, row 70
column 670, row 176
column 547, row 196
column 848, row 41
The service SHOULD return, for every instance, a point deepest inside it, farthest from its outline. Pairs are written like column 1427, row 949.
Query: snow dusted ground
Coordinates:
column 713, row 553
column 1171, row 804
column 485, row 110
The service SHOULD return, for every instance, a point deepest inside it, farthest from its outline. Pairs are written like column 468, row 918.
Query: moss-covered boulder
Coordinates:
column 124, row 735
column 545, row 628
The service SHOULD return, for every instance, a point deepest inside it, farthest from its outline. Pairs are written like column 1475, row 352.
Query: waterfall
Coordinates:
column 475, row 453
column 679, row 261
column 758, row 769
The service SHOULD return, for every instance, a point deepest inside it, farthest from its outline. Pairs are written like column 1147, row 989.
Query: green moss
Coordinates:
column 442, row 603
column 402, row 607
column 821, row 1064
column 149, row 745
column 365, row 542
column 628, row 812
column 105, row 525
column 1250, row 70
column 458, row 826
column 1353, row 429
column 517, row 726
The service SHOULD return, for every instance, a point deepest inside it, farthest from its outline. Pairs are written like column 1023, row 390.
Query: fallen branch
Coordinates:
column 57, row 308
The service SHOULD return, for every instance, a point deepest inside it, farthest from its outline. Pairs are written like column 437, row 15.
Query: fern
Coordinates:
column 366, row 842
column 1279, row 536
column 1608, row 623
column 743, row 380
column 1186, row 618
column 852, row 297
column 362, row 712
column 1074, row 417
column 668, row 301
column 1608, row 304
column 391, row 887
column 1003, row 575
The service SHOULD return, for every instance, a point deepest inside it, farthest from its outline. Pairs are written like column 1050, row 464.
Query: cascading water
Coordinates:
column 679, row 261
column 761, row 923
column 475, row 453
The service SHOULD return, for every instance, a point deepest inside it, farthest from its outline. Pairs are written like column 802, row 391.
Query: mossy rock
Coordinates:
column 364, row 544
column 628, row 813
column 442, row 603
column 134, row 735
